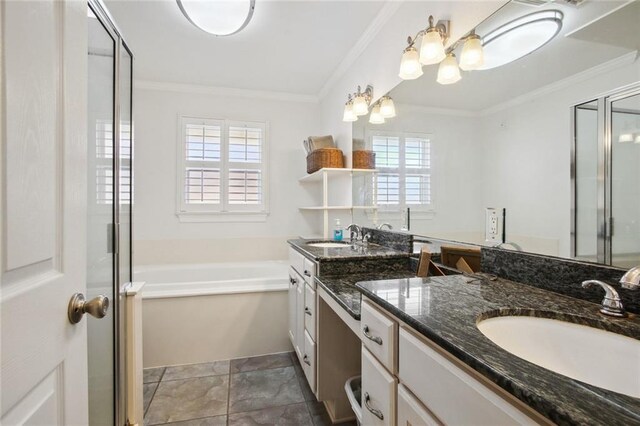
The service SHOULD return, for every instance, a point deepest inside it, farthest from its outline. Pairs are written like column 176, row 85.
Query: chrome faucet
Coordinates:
column 365, row 238
column 631, row 279
column 355, row 231
column 611, row 304
column 388, row 225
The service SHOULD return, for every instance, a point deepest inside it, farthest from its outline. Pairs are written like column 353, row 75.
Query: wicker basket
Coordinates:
column 364, row 160
column 324, row 157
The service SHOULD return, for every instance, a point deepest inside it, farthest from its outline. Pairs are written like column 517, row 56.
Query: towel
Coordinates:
column 317, row 142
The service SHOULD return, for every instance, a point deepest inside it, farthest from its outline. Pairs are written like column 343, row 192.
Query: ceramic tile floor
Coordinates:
column 263, row 390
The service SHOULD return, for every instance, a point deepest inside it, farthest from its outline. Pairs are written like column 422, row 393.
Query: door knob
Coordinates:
column 78, row 306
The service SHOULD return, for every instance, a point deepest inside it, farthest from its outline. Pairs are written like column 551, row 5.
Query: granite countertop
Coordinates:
column 347, row 252
column 446, row 310
column 344, row 291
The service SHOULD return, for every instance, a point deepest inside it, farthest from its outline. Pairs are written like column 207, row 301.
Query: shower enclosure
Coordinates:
column 110, row 177
column 606, row 179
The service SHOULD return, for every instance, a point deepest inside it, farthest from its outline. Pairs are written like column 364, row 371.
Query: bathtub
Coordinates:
column 183, row 280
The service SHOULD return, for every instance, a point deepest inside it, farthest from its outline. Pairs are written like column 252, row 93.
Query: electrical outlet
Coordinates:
column 493, row 225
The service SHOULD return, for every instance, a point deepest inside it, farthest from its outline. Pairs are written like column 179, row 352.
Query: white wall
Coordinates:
column 159, row 235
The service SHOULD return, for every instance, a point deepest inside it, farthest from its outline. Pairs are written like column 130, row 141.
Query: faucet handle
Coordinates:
column 611, row 304
column 631, row 279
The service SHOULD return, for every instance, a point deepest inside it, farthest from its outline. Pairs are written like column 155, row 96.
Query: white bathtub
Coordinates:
column 182, row 280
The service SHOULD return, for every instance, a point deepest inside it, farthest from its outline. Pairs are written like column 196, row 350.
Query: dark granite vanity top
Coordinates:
column 342, row 288
column 446, row 310
column 346, row 252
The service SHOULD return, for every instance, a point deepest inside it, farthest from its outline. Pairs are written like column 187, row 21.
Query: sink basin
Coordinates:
column 331, row 244
column 597, row 357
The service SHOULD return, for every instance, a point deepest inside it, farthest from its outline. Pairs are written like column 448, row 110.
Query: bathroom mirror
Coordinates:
column 503, row 139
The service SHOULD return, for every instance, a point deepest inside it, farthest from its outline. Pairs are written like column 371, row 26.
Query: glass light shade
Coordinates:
column 520, row 37
column 348, row 113
column 376, row 117
column 219, row 17
column 410, row 66
column 625, row 137
column 472, row 56
column 432, row 48
column 637, row 139
column 387, row 108
column 360, row 106
column 449, row 72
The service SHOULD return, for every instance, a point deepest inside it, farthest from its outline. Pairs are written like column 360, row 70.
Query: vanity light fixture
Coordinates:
column 376, row 116
column 472, row 56
column 625, row 137
column 520, row 37
column 448, row 71
column 218, row 17
column 637, row 138
column 387, row 107
column 357, row 104
column 410, row 66
column 432, row 49
column 348, row 115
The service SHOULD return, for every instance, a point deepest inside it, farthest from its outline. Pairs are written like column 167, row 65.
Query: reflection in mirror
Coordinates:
column 502, row 138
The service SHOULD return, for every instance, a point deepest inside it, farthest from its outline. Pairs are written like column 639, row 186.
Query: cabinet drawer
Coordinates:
column 378, row 334
column 449, row 392
column 411, row 411
column 309, row 271
column 378, row 392
column 309, row 361
column 310, row 311
column 296, row 260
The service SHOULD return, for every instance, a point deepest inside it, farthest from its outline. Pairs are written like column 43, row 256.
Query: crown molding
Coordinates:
column 225, row 91
column 626, row 59
column 372, row 30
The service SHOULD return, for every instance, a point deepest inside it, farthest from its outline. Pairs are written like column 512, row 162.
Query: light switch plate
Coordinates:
column 494, row 223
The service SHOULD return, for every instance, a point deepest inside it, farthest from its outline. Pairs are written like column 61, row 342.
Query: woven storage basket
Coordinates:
column 324, row 157
column 364, row 160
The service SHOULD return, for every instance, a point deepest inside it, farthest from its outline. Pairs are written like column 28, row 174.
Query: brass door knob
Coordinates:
column 78, row 306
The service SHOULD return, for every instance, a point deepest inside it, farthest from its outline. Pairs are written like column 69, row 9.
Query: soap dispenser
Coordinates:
column 337, row 231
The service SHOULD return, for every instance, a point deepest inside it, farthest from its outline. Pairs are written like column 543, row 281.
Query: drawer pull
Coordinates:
column 372, row 410
column 368, row 335
column 306, row 273
column 305, row 359
column 307, row 311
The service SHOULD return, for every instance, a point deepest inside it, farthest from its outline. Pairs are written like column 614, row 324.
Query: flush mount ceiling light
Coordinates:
column 218, row 17
column 520, row 37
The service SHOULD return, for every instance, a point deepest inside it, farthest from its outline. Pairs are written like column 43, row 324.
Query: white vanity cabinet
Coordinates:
column 302, row 312
column 430, row 386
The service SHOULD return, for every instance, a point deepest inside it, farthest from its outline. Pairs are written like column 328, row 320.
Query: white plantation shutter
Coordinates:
column 223, row 165
column 104, row 162
column 404, row 170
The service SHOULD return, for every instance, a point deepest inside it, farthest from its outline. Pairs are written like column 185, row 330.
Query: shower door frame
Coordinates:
column 119, row 332
column 604, row 174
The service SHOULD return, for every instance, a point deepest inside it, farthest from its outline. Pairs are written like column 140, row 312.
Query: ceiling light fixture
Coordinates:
column 520, row 37
column 218, row 17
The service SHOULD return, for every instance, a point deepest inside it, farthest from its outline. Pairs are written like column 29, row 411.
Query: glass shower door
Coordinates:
column 624, row 115
column 100, row 219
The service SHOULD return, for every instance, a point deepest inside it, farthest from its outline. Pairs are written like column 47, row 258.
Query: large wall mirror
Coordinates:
column 540, row 154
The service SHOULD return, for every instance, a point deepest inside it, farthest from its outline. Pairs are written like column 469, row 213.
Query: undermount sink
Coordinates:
column 328, row 244
column 597, row 357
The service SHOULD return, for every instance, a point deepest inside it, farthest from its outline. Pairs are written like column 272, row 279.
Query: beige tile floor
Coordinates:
column 264, row 390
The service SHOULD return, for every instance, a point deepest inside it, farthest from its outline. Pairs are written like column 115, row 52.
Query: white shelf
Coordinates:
column 318, row 176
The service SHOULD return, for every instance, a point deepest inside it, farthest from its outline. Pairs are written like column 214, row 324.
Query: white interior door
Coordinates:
column 43, row 234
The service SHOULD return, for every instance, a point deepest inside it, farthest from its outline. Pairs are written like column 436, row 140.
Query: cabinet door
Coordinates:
column 310, row 311
column 293, row 291
column 300, row 316
column 411, row 412
column 309, row 361
column 378, row 392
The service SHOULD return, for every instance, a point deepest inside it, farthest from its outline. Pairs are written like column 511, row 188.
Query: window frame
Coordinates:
column 224, row 211
column 426, row 210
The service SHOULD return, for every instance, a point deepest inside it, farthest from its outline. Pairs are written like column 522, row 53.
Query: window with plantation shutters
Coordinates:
column 223, row 167
column 404, row 170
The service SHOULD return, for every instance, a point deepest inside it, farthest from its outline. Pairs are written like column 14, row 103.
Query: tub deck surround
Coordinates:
column 347, row 252
column 342, row 288
column 446, row 310
column 558, row 275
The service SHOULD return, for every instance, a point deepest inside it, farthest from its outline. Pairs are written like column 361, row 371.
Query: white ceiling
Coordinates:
column 563, row 57
column 289, row 46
